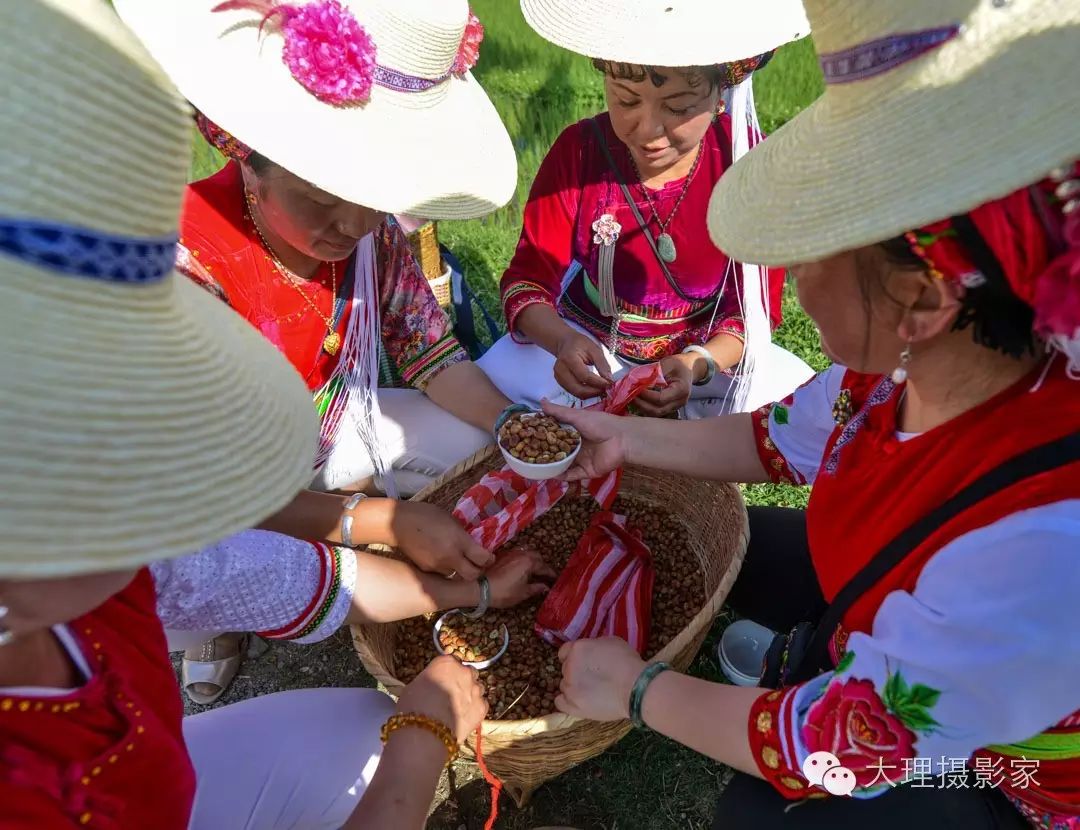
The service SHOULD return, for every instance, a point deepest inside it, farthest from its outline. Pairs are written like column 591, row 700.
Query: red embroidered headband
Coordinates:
column 332, row 56
column 1033, row 236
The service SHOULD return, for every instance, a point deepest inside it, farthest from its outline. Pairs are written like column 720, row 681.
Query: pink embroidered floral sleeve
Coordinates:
column 416, row 332
column 949, row 687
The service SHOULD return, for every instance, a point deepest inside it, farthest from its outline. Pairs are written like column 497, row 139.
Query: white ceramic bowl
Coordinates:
column 742, row 651
column 538, row 472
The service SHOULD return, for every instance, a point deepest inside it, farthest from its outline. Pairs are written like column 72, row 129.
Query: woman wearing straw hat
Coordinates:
column 146, row 420
column 614, row 267
column 933, row 670
column 333, row 117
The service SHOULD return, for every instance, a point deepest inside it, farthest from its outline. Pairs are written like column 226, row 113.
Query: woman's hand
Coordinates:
column 433, row 540
column 603, row 447
column 658, row 403
column 448, row 692
column 576, row 355
column 513, row 577
column 597, row 678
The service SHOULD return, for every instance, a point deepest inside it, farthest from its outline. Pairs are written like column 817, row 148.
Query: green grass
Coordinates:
column 645, row 781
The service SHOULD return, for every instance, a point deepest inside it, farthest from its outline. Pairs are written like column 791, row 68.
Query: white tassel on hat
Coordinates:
column 754, row 289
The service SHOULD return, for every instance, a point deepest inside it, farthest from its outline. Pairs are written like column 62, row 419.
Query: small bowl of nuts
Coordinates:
column 469, row 640
column 536, row 445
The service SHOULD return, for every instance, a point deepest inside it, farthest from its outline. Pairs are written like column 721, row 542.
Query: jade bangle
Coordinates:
column 637, row 694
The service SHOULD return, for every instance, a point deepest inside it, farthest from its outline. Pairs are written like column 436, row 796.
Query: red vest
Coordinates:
column 111, row 754
column 872, row 486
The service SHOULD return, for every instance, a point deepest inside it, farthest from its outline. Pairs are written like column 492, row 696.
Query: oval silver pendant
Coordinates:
column 665, row 245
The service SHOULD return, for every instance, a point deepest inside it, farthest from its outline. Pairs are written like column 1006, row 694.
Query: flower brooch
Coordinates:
column 606, row 230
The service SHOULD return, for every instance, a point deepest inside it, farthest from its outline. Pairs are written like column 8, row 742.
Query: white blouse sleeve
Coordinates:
column 800, row 427
column 274, row 585
column 983, row 652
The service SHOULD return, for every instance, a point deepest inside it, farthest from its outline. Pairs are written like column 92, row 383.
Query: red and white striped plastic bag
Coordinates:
column 502, row 504
column 604, row 590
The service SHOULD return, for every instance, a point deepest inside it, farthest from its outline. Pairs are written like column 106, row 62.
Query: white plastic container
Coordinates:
column 742, row 651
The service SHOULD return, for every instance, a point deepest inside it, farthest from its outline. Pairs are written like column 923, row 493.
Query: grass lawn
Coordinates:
column 645, row 781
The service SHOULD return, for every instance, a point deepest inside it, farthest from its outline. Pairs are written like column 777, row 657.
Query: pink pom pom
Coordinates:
column 328, row 51
column 469, row 51
column 1057, row 290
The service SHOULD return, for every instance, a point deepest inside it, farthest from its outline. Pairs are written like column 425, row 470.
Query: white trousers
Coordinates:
column 420, row 439
column 297, row 760
column 526, row 374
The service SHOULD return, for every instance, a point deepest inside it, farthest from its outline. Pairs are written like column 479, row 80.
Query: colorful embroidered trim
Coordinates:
column 82, row 252
column 323, row 601
column 420, row 371
column 881, row 394
column 776, row 466
column 639, row 349
column 876, row 57
column 772, row 747
column 221, row 140
column 519, row 296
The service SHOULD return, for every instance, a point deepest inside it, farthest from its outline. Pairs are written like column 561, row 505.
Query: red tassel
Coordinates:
column 493, row 781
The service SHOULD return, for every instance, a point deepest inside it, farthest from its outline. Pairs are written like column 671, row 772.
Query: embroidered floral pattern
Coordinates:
column 777, row 467
column 871, row 734
column 417, row 336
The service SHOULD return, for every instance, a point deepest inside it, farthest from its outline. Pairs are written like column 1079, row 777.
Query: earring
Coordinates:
column 899, row 374
column 6, row 634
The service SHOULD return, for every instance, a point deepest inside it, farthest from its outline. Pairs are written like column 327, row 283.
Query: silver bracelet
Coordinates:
column 347, row 519
column 710, row 364
column 485, row 600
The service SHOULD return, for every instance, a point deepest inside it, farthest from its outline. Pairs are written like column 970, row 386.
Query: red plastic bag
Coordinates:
column 604, row 590
column 606, row 587
column 502, row 504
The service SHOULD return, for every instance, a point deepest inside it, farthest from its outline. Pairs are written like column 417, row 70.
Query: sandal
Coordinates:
column 205, row 674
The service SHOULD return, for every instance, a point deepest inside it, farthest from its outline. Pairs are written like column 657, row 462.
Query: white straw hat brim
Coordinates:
column 667, row 32
column 991, row 111
column 440, row 154
column 137, row 424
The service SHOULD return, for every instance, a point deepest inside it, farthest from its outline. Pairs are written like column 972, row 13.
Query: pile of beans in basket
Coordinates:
column 536, row 438
column 525, row 681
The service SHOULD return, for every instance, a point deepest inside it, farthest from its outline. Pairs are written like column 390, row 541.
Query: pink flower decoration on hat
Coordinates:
column 326, row 48
column 469, row 51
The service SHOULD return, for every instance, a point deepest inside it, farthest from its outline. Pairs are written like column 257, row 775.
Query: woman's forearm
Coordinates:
column 315, row 515
column 542, row 325
column 403, row 786
column 719, row 449
column 710, row 718
column 726, row 351
column 388, row 590
column 465, row 391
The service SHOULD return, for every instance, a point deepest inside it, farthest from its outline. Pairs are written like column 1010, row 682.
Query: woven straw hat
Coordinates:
column 667, row 32
column 932, row 107
column 396, row 129
column 140, row 418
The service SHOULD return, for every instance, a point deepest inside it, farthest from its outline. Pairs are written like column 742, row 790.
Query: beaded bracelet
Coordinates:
column 437, row 728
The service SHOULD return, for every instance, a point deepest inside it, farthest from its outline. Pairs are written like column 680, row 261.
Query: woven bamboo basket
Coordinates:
column 527, row 753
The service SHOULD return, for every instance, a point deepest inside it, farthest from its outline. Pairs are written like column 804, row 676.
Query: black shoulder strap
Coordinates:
column 1033, row 462
column 602, row 141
